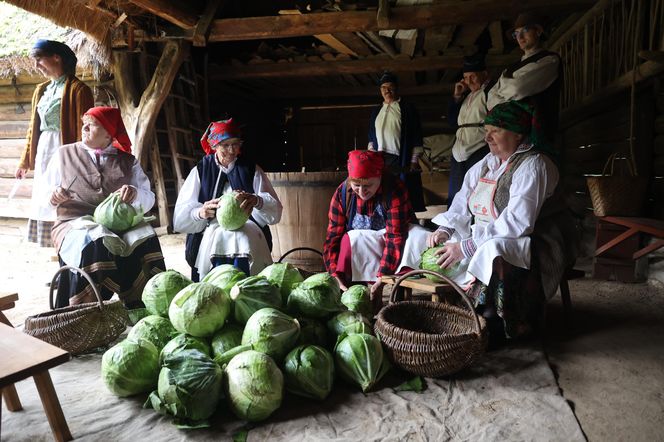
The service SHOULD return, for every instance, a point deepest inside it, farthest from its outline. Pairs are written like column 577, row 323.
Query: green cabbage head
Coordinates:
column 200, row 309
column 252, row 294
column 309, row 372
column 184, row 342
column 161, row 289
column 285, row 276
column 254, row 385
column 130, row 367
column 357, row 299
column 429, row 263
column 116, row 215
column 225, row 340
column 349, row 322
column 229, row 214
column 155, row 329
column 318, row 296
column 225, row 277
column 271, row 332
column 189, row 388
column 360, row 359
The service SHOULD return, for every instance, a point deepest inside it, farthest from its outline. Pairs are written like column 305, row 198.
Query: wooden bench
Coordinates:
column 437, row 289
column 634, row 226
column 22, row 357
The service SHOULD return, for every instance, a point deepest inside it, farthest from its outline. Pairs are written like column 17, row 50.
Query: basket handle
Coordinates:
column 611, row 160
column 453, row 284
column 84, row 274
column 299, row 249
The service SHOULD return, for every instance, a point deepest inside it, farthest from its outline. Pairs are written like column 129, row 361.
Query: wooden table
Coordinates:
column 22, row 357
column 634, row 225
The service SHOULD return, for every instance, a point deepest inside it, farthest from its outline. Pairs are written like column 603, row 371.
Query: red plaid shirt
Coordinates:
column 399, row 214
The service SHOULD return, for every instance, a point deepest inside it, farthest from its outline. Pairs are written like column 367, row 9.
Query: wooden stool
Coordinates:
column 24, row 357
column 426, row 285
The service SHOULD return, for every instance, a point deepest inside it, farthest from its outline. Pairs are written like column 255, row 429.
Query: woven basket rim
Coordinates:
column 78, row 308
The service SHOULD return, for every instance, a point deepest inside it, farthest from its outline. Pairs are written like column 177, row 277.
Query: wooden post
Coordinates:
column 159, row 186
column 140, row 119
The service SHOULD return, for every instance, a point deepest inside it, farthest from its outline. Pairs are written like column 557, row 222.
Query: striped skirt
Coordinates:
column 125, row 276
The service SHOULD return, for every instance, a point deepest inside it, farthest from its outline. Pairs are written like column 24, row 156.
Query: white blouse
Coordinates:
column 139, row 180
column 532, row 183
column 187, row 220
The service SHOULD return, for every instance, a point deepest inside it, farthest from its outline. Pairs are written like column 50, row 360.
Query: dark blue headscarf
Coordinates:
column 52, row 47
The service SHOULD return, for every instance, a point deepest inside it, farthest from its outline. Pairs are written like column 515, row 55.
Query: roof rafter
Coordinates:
column 447, row 12
column 365, row 66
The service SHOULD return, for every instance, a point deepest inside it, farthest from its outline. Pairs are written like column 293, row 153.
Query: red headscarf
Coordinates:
column 111, row 119
column 219, row 131
column 365, row 164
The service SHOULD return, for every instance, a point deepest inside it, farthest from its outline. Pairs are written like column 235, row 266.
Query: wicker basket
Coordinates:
column 617, row 195
column 79, row 328
column 429, row 338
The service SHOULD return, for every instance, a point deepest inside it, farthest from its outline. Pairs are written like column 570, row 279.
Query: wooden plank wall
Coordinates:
column 587, row 143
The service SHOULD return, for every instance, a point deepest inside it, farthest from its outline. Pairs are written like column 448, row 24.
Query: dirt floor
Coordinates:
column 608, row 359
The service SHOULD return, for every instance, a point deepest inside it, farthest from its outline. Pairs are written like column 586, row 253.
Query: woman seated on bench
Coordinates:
column 80, row 176
column 371, row 231
column 509, row 224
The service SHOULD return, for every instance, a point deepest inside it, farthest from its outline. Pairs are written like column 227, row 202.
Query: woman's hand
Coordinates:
column 459, row 89
column 449, row 254
column 20, row 173
column 127, row 193
column 209, row 209
column 247, row 201
column 59, row 196
column 342, row 286
column 437, row 237
column 376, row 294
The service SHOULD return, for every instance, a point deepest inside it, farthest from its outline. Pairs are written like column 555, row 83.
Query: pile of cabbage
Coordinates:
column 244, row 342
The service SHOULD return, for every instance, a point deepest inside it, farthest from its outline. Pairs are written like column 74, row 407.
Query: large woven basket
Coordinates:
column 617, row 195
column 79, row 328
column 430, row 338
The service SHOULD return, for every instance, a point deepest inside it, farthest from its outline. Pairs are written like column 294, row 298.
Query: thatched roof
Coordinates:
column 19, row 29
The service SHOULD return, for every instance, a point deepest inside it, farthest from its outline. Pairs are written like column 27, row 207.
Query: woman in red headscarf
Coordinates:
column 370, row 232
column 222, row 171
column 81, row 176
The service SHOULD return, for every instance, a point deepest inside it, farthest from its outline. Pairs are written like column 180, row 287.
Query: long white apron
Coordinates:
column 367, row 248
column 515, row 251
column 48, row 144
column 248, row 241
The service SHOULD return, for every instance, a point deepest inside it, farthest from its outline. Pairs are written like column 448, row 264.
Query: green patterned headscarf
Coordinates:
column 520, row 117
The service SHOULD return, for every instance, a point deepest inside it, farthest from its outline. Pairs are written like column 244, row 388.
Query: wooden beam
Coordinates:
column 203, row 26
column 365, row 66
column 579, row 110
column 351, row 91
column 175, row 12
column 328, row 39
column 383, row 14
column 355, row 43
column 446, row 12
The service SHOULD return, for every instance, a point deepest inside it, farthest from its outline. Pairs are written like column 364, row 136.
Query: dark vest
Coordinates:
column 547, row 102
column 92, row 185
column 240, row 178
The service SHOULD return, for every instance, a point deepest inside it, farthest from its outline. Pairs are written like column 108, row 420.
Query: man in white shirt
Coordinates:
column 466, row 112
column 537, row 77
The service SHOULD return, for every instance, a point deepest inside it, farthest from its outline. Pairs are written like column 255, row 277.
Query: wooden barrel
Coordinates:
column 306, row 199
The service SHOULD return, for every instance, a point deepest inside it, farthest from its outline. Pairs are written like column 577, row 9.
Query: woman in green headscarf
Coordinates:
column 508, row 226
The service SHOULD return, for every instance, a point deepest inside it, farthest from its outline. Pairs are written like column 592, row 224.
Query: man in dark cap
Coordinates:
column 467, row 112
column 395, row 130
column 538, row 76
